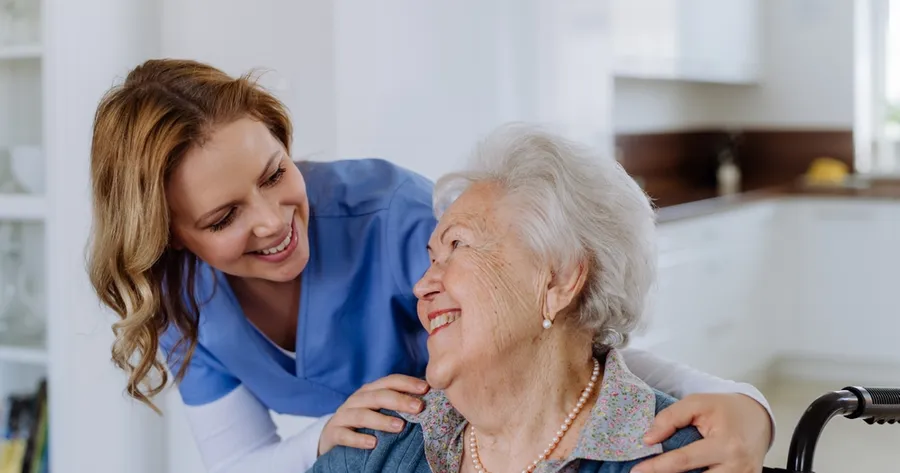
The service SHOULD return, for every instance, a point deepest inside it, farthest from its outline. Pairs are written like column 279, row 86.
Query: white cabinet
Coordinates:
column 692, row 40
column 706, row 309
column 847, row 285
column 809, row 280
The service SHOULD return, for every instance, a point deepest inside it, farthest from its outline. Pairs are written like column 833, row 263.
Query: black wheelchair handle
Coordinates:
column 877, row 405
column 873, row 405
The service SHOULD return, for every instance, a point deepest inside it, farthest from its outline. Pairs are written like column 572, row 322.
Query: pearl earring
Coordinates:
column 547, row 323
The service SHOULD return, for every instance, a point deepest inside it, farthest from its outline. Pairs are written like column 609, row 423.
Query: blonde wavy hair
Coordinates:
column 141, row 132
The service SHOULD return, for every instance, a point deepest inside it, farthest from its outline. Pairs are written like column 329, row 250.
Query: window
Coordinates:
column 877, row 121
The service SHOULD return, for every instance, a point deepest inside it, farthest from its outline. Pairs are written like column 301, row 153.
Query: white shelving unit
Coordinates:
column 21, row 124
column 49, row 90
column 23, row 365
column 20, row 51
column 23, row 207
column 35, row 356
column 87, row 46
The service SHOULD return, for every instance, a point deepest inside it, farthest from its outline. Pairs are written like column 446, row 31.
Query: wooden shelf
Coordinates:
column 22, row 207
column 23, row 355
column 24, row 51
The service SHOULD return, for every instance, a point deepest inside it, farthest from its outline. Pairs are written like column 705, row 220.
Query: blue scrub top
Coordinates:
column 369, row 224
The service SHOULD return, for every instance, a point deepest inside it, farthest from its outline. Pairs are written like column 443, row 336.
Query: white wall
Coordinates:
column 644, row 106
column 95, row 427
column 290, row 39
column 417, row 83
column 417, row 87
column 806, row 79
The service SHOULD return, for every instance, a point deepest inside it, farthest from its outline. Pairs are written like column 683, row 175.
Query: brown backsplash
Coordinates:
column 680, row 167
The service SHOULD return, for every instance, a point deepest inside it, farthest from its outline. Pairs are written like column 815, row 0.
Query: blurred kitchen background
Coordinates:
column 767, row 132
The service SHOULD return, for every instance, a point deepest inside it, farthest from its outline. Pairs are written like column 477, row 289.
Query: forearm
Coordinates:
column 237, row 434
column 292, row 455
column 680, row 380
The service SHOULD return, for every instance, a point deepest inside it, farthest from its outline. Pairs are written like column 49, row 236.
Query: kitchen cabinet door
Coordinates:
column 706, row 310
column 848, row 290
column 645, row 37
column 694, row 40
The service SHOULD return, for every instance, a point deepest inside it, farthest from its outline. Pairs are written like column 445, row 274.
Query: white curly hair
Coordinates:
column 575, row 206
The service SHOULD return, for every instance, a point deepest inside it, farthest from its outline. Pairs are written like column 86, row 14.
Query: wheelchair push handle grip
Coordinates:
column 876, row 405
column 873, row 405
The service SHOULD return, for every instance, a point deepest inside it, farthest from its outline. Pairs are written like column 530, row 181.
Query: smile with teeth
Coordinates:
column 443, row 320
column 281, row 246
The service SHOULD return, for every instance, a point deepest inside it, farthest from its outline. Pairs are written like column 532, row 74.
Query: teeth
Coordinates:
column 281, row 246
column 443, row 319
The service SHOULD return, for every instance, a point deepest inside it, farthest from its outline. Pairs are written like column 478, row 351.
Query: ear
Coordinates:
column 564, row 288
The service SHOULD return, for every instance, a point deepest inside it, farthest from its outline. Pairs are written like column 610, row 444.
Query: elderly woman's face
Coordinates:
column 479, row 300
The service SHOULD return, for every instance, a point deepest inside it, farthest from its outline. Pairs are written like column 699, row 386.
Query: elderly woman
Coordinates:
column 540, row 266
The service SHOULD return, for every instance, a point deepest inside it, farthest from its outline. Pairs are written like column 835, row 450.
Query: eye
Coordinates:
column 456, row 244
column 224, row 221
column 275, row 177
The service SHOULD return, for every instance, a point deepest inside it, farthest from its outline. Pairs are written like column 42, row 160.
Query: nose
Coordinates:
column 430, row 284
column 268, row 220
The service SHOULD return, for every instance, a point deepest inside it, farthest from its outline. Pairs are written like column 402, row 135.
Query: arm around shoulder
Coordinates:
column 679, row 380
column 236, row 434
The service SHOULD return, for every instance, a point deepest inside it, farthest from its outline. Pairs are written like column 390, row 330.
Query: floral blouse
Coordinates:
column 623, row 413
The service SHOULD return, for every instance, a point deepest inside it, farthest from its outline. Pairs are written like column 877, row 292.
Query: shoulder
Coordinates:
column 361, row 186
column 403, row 451
column 681, row 437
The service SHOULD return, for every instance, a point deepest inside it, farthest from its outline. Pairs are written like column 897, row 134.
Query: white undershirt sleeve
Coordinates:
column 237, row 434
column 679, row 380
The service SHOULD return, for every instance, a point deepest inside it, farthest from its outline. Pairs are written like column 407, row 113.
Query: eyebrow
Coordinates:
column 440, row 238
column 272, row 158
column 262, row 175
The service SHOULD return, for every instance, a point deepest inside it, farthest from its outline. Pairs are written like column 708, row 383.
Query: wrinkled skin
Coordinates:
column 497, row 350
column 481, row 268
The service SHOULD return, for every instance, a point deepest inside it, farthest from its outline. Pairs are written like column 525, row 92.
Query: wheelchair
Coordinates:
column 872, row 405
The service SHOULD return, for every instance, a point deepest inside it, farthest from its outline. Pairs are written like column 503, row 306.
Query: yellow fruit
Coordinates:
column 827, row 170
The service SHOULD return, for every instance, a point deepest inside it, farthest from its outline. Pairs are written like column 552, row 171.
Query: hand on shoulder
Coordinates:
column 736, row 432
column 394, row 392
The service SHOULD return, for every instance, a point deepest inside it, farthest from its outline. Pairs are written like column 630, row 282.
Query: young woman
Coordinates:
column 270, row 285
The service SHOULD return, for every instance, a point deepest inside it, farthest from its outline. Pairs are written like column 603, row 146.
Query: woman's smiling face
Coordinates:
column 239, row 203
column 480, row 299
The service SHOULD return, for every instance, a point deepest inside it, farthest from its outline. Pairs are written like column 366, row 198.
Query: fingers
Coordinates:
column 362, row 418
column 385, row 399
column 398, row 382
column 678, row 415
column 360, row 411
column 341, row 429
column 349, row 438
column 680, row 460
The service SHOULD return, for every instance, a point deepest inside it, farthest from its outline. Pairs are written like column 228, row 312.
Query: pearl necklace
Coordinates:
column 585, row 395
